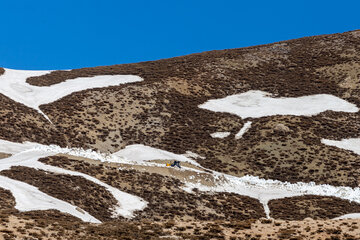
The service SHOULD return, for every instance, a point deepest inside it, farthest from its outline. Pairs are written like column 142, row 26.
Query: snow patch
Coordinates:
column 243, row 130
column 256, row 104
column 132, row 154
column 14, row 85
column 220, row 134
column 29, row 198
column 352, row 144
column 348, row 216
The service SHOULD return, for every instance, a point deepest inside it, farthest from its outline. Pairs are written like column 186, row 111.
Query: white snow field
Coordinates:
column 256, row 104
column 28, row 156
column 261, row 189
column 243, row 130
column 14, row 85
column 220, row 134
column 352, row 144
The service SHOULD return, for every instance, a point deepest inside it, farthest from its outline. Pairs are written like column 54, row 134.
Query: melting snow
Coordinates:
column 352, row 144
column 29, row 198
column 14, row 85
column 243, row 130
column 220, row 134
column 127, row 202
column 265, row 190
column 28, row 155
column 261, row 189
column 256, row 104
column 255, row 187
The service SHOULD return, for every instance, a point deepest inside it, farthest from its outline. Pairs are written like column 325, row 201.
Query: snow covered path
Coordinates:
column 28, row 156
column 14, row 85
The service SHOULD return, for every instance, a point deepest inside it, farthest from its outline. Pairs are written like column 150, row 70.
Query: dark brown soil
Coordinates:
column 166, row 198
column 2, row 70
column 315, row 207
column 78, row 191
column 7, row 201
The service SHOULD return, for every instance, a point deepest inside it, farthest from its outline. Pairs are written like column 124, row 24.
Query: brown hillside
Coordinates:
column 162, row 111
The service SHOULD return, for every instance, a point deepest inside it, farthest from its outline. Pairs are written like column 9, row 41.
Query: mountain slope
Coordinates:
column 257, row 131
column 162, row 111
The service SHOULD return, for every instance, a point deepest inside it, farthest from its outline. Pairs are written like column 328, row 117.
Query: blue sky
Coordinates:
column 68, row 34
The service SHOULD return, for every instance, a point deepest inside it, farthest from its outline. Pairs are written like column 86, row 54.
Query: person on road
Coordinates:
column 176, row 163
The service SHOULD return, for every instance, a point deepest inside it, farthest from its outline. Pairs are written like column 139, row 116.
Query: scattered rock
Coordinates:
column 281, row 128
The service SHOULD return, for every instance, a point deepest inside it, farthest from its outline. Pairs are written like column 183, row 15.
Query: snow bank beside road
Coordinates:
column 138, row 153
column 132, row 154
column 13, row 147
